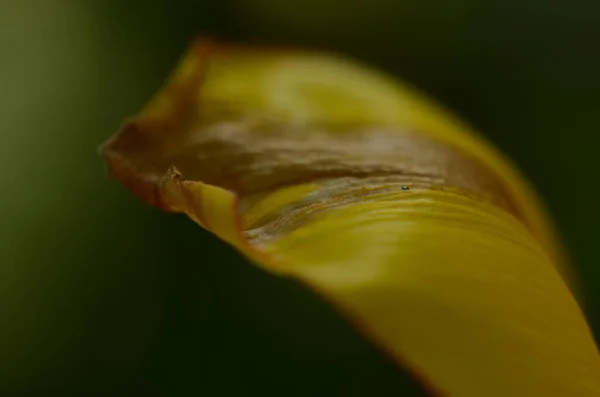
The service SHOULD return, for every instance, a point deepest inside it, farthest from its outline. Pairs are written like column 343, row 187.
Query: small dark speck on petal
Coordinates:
column 405, row 188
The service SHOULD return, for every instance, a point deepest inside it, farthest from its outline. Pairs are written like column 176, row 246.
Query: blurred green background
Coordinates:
column 101, row 295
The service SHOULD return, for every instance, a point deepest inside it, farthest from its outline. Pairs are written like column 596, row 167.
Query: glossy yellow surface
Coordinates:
column 313, row 88
column 471, row 297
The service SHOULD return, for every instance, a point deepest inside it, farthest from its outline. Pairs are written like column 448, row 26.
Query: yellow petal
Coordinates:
column 408, row 223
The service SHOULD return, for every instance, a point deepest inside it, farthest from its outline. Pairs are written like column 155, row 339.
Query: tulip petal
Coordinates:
column 409, row 224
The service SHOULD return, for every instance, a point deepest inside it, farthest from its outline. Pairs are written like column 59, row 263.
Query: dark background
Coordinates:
column 101, row 295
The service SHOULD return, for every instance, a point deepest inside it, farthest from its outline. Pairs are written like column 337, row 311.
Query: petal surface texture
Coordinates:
column 413, row 227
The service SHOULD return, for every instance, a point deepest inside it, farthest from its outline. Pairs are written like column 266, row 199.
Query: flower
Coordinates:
column 408, row 223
